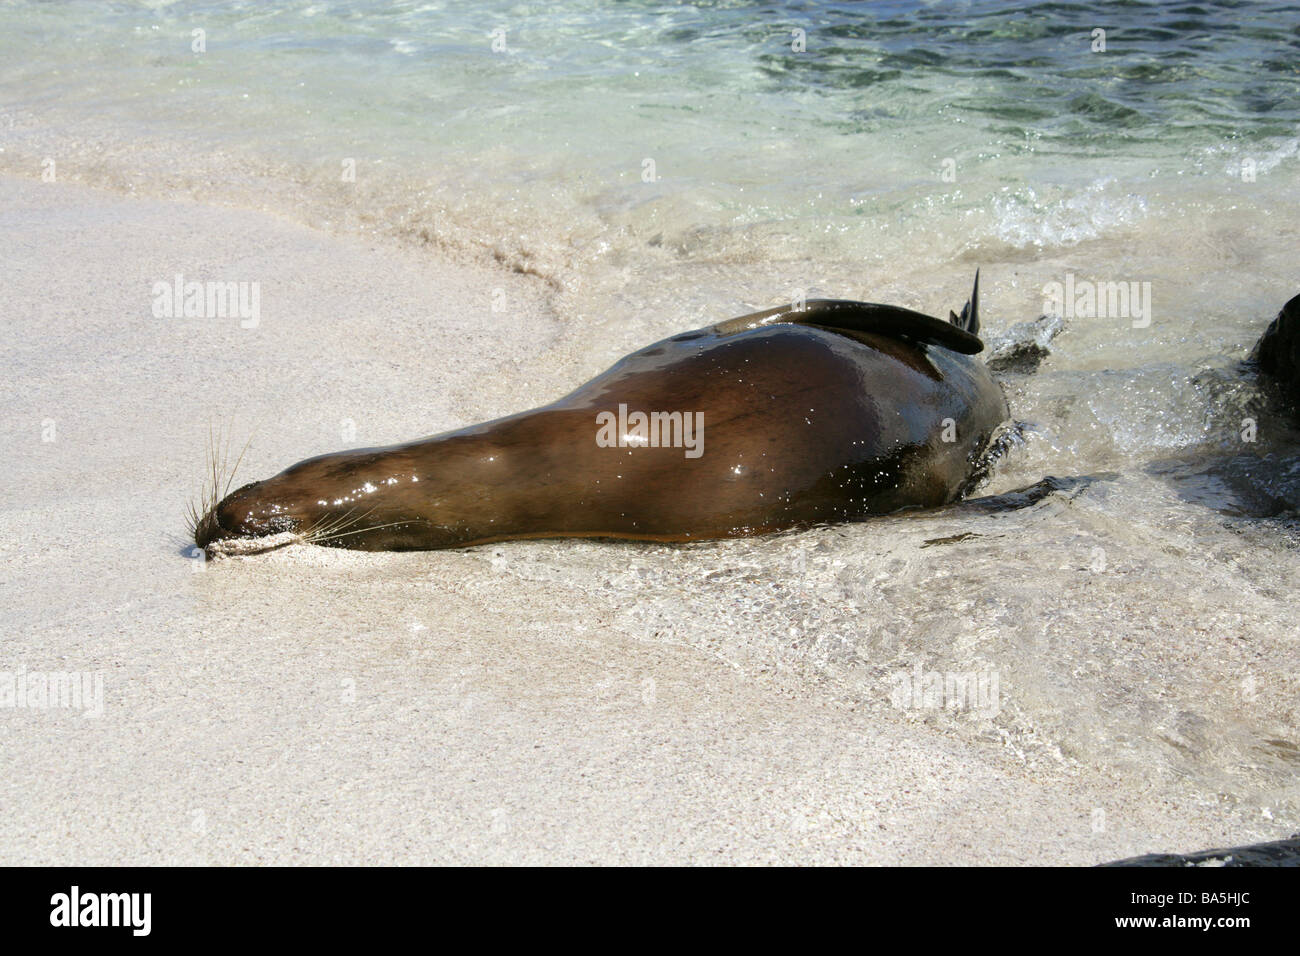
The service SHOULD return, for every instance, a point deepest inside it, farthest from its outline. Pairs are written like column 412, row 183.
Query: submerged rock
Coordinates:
column 1022, row 348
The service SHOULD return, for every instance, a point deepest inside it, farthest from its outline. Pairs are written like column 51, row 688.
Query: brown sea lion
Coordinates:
column 780, row 419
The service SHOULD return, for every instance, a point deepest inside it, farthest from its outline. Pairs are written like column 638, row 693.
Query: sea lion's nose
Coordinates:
column 228, row 518
column 209, row 529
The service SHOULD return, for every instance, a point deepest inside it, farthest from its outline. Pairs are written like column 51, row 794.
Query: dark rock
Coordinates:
column 1277, row 353
column 1281, row 853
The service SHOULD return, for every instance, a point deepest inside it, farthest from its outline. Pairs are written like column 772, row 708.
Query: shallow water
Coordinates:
column 1139, row 615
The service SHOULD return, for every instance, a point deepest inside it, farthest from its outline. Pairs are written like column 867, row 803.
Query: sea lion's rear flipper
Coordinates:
column 958, row 334
column 969, row 320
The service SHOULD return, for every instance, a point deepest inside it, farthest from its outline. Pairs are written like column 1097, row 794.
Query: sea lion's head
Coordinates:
column 359, row 499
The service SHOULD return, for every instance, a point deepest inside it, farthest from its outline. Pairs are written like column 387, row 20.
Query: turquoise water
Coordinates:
column 758, row 151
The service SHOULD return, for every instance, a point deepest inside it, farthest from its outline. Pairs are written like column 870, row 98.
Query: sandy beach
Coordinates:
column 516, row 703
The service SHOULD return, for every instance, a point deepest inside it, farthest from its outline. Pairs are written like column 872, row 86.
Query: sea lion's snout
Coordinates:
column 207, row 529
column 241, row 514
column 323, row 499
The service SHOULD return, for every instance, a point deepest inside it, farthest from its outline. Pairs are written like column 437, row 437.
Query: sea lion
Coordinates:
column 780, row 419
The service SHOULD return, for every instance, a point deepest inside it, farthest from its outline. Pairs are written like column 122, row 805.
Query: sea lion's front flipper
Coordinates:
column 845, row 314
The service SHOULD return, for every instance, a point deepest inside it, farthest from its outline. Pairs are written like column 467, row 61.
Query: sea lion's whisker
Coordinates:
column 219, row 478
column 337, row 523
column 344, row 534
column 196, row 510
column 239, row 460
column 339, row 527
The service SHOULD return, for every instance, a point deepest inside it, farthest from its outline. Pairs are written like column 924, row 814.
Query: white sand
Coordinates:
column 318, row 706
